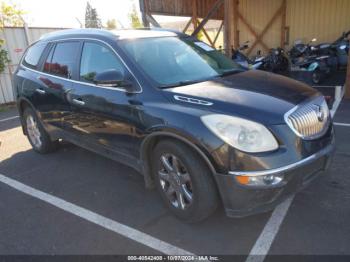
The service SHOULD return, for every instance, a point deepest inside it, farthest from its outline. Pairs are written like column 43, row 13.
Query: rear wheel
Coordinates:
column 317, row 76
column 37, row 136
column 184, row 181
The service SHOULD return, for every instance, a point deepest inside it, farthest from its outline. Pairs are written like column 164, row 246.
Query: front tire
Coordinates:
column 37, row 135
column 184, row 181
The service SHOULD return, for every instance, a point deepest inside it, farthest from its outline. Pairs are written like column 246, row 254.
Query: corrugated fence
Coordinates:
column 16, row 43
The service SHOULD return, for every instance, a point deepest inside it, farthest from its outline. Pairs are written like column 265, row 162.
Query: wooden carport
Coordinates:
column 272, row 31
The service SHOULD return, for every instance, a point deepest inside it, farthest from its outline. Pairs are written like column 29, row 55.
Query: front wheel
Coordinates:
column 184, row 181
column 37, row 135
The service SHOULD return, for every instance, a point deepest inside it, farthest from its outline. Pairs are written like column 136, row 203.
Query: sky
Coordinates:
column 66, row 13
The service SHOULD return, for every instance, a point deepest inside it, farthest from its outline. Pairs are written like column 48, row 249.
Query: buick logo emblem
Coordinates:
column 319, row 113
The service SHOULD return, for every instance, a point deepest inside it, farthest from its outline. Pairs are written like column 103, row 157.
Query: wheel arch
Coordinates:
column 151, row 141
column 22, row 103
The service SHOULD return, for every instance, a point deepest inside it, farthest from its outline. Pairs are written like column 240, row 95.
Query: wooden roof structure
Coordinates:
column 184, row 8
column 267, row 23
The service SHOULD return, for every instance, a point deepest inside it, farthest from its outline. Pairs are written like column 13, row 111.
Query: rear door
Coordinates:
column 55, row 80
column 103, row 116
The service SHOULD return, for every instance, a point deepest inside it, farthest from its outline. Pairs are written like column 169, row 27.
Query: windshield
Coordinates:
column 172, row 61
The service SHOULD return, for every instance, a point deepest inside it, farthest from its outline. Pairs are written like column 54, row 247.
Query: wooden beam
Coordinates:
column 212, row 11
column 152, row 20
column 206, row 35
column 283, row 23
column 187, row 26
column 218, row 34
column 347, row 85
column 252, row 31
column 267, row 27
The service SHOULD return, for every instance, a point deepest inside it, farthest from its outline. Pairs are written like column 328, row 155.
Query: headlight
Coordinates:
column 245, row 135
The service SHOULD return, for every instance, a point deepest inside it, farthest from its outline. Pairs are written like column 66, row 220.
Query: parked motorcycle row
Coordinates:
column 320, row 60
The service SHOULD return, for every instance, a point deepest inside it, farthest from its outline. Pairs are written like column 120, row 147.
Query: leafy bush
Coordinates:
column 4, row 60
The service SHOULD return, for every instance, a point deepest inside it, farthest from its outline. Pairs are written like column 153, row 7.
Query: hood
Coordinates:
column 255, row 95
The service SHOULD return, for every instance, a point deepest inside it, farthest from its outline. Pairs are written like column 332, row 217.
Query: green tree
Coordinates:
column 111, row 24
column 134, row 18
column 92, row 19
column 10, row 15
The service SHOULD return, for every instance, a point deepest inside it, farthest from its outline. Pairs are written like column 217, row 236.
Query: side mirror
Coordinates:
column 111, row 78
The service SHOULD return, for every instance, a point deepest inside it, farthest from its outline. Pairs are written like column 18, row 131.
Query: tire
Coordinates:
column 317, row 76
column 36, row 134
column 193, row 178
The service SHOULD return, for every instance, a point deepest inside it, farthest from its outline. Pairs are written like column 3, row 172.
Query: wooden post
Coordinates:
column 228, row 27
column 194, row 14
column 144, row 12
column 283, row 24
column 235, row 24
column 347, row 85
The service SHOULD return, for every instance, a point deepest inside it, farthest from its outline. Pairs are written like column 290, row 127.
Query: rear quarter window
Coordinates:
column 32, row 57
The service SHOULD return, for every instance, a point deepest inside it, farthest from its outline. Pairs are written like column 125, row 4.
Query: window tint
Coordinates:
column 33, row 55
column 62, row 59
column 97, row 59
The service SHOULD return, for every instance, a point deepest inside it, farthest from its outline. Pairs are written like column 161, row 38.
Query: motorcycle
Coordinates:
column 300, row 49
column 337, row 51
column 240, row 58
column 276, row 61
column 304, row 58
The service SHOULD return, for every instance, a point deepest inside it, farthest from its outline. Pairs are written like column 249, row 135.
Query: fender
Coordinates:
column 313, row 66
column 20, row 100
column 175, row 134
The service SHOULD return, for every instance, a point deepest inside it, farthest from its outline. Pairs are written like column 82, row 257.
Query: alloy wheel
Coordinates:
column 33, row 131
column 175, row 181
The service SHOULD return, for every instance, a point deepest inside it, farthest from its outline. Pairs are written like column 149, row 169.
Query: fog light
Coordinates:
column 267, row 180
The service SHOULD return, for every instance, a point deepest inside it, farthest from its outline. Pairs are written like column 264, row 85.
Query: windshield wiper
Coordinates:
column 181, row 83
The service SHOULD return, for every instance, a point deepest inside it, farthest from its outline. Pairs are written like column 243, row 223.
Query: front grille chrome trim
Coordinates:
column 304, row 120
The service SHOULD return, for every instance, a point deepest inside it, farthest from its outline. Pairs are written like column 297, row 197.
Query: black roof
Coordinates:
column 112, row 35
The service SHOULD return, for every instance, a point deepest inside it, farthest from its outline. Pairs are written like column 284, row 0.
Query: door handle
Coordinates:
column 40, row 91
column 79, row 102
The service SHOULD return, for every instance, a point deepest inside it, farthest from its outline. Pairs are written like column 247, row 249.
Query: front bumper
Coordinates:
column 240, row 201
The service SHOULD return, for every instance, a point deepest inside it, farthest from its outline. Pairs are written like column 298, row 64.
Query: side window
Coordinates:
column 96, row 59
column 33, row 55
column 62, row 59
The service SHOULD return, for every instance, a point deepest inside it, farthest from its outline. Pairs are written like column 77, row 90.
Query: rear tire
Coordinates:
column 178, row 170
column 317, row 76
column 37, row 135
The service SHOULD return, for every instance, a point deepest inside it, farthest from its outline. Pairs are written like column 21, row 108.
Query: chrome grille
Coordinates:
column 309, row 120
